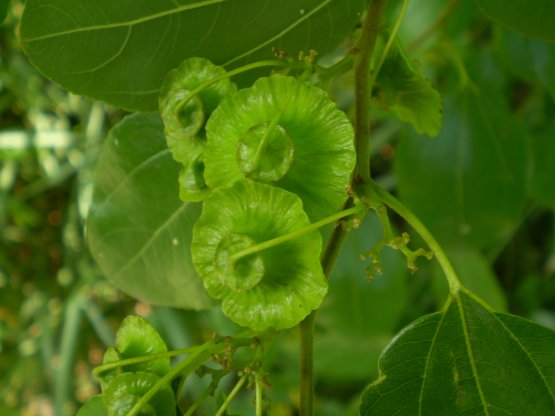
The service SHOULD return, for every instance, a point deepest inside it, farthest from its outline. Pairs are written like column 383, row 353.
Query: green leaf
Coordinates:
column 119, row 51
column 468, row 186
column 534, row 18
column 466, row 360
column 93, row 407
column 273, row 288
column 285, row 132
column 139, row 231
column 403, row 89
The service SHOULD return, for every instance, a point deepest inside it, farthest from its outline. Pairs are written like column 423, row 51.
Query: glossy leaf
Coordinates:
column 120, row 51
column 273, row 288
column 93, row 407
column 406, row 91
column 468, row 186
column 139, row 230
column 466, row 360
column 534, row 18
column 124, row 391
column 287, row 133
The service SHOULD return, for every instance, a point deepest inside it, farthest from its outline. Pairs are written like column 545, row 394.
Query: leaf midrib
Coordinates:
column 470, row 352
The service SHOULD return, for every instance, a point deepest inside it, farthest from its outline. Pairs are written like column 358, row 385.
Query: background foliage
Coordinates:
column 485, row 187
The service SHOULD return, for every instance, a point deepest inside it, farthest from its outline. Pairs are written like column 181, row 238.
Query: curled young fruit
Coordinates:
column 188, row 96
column 124, row 391
column 287, row 133
column 192, row 186
column 275, row 287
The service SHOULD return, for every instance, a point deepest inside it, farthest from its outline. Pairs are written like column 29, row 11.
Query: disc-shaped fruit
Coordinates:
column 273, row 288
column 287, row 133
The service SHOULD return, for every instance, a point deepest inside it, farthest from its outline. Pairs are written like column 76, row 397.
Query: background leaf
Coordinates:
column 468, row 185
column 359, row 317
column 120, row 51
column 466, row 360
column 139, row 230
column 534, row 18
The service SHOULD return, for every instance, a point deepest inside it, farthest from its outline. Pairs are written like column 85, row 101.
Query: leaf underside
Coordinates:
column 139, row 231
column 466, row 360
column 534, row 18
column 120, row 51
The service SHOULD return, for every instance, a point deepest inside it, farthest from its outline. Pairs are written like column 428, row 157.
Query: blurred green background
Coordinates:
column 58, row 314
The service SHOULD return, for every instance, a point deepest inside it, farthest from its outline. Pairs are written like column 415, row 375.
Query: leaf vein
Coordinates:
column 281, row 33
column 133, row 22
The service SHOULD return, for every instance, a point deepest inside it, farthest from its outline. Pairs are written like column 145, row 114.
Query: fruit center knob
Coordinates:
column 265, row 152
column 244, row 273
